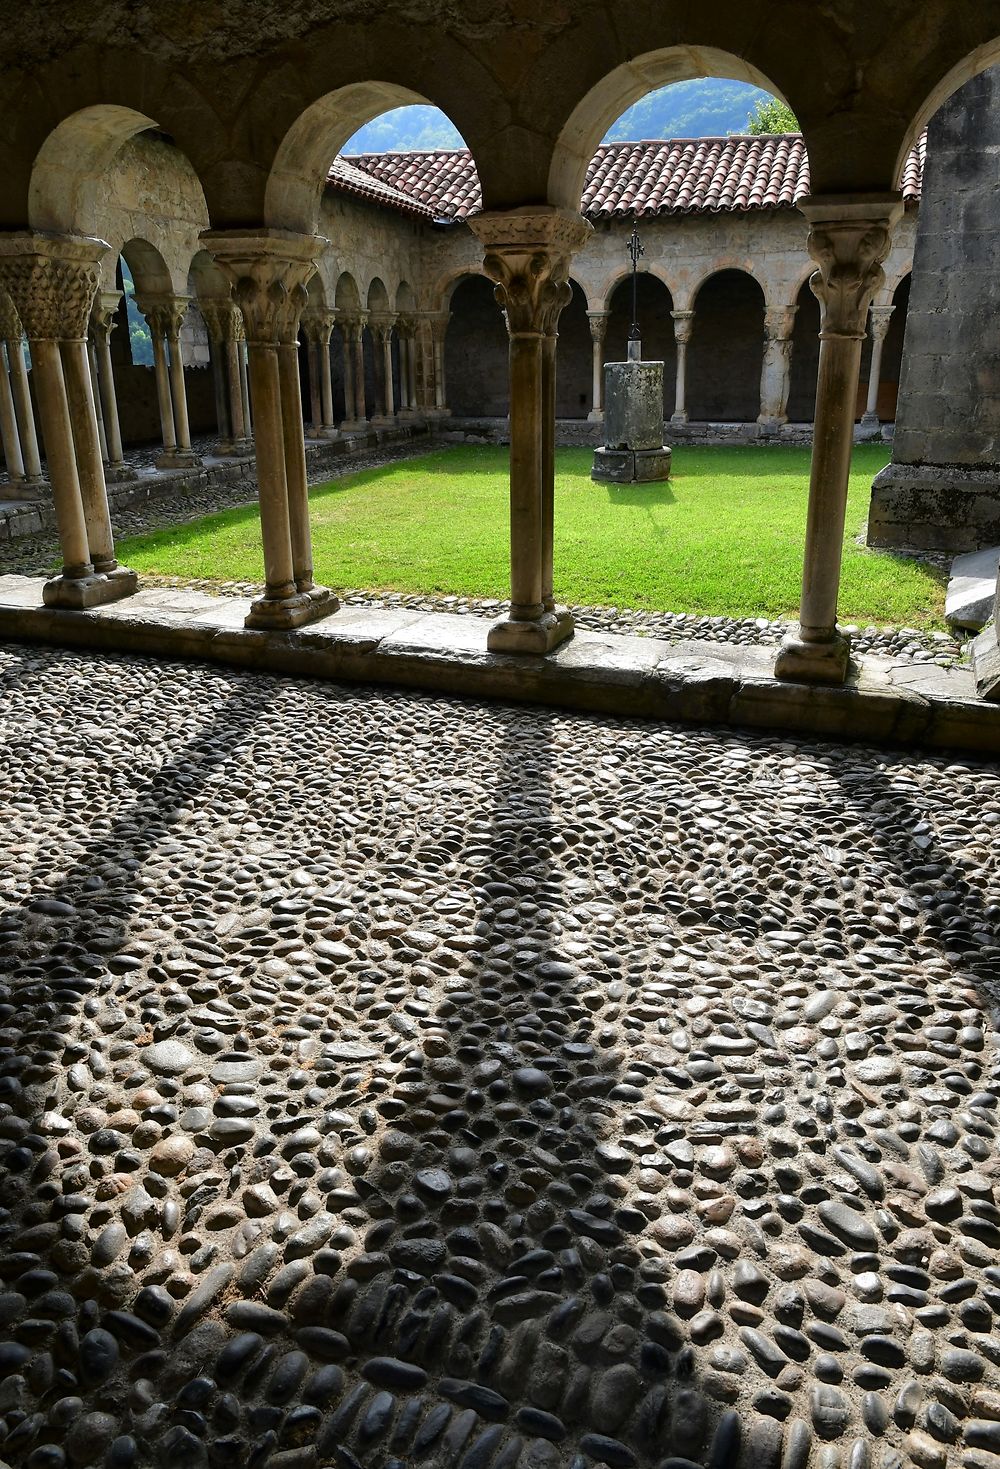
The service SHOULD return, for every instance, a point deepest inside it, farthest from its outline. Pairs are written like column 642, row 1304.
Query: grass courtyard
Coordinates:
column 723, row 537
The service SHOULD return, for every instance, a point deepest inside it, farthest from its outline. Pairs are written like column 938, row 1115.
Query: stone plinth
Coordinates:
column 634, row 451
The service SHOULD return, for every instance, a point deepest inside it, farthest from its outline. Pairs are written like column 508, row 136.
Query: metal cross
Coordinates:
column 635, row 250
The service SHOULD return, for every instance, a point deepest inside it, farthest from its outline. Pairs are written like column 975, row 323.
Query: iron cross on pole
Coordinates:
column 635, row 250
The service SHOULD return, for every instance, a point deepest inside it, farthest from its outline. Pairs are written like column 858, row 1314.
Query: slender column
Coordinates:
column 598, row 331
column 360, row 406
column 231, row 321
column 178, row 388
column 269, row 270
column 165, row 314
column 411, row 371
column 317, row 325
column 353, row 327
column 385, row 337
column 348, row 374
column 52, row 281
column 439, row 329
column 848, row 239
column 683, row 327
column 385, row 412
column 155, row 320
column 25, row 412
column 527, row 255
column 92, row 361
column 243, row 358
column 404, row 335
column 213, row 314
column 881, row 316
column 774, row 373
column 8, row 427
column 102, row 322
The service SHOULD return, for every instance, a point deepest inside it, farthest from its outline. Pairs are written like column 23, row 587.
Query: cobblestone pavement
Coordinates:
column 39, row 554
column 387, row 1081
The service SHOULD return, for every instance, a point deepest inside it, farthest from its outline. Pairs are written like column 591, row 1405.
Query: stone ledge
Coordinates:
column 887, row 701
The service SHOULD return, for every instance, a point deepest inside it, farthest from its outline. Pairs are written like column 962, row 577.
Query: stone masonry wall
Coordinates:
column 942, row 488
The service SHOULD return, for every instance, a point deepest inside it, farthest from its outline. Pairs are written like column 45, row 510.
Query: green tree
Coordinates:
column 772, row 116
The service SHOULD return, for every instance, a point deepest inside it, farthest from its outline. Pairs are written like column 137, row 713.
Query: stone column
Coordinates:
column 598, row 331
column 25, row 413
column 212, row 313
column 404, row 334
column 881, row 316
column 242, row 361
column 779, row 322
column 353, row 325
column 52, row 281
column 156, row 320
column 385, row 408
column 438, row 322
column 92, row 357
column 326, row 379
column 8, row 430
column 165, row 315
column 102, row 323
column 316, row 327
column 527, row 254
column 848, row 239
column 269, row 270
column 683, row 327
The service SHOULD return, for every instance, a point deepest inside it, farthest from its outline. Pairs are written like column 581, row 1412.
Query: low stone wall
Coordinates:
column 577, row 432
column 934, row 507
column 21, row 518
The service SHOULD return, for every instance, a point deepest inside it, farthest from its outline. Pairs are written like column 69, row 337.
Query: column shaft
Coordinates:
column 548, row 481
column 244, row 377
column 315, row 389
column 326, row 385
column 360, row 405
column 163, row 393
column 60, row 452
column 295, row 466
column 24, row 411
column 349, row 395
column 234, row 383
column 92, row 356
column 390, row 401
column 109, row 400
column 216, row 351
column 8, row 425
column 178, row 393
column 526, row 476
column 272, row 486
column 90, row 465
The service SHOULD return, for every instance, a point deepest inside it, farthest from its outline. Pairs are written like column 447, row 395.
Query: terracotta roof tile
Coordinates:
column 679, row 176
column 366, row 185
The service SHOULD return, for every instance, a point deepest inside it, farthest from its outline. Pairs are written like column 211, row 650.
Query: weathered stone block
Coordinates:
column 631, row 466
column 972, row 589
column 633, row 405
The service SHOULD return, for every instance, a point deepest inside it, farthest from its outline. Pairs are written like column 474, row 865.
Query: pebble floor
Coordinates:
column 392, row 1081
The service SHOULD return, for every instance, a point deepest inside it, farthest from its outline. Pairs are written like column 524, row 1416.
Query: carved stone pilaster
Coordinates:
column 269, row 271
column 527, row 255
column 848, row 241
column 52, row 281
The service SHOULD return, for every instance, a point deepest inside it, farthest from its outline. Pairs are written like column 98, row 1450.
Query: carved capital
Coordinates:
column 779, row 323
column 52, row 281
column 438, row 321
column 269, row 270
column 11, row 329
column 165, row 314
column 848, row 239
column 406, row 327
column 352, row 324
column 104, row 312
column 881, row 317
column 317, row 324
column 527, row 255
column 598, row 325
column 683, row 326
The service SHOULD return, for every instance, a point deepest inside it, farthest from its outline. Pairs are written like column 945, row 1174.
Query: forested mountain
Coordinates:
column 706, row 107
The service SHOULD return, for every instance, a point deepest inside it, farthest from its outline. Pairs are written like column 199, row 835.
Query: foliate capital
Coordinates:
column 779, row 323
column 11, row 329
column 848, row 239
column 598, row 325
column 269, row 270
column 683, row 326
column 317, row 324
column 52, row 281
column 104, row 312
column 352, row 324
column 165, row 314
column 881, row 317
column 527, row 255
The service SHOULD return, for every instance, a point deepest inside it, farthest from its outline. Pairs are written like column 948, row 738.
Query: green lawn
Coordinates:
column 724, row 536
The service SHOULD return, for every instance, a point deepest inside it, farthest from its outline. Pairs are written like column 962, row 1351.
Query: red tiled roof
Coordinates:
column 367, row 185
column 680, row 176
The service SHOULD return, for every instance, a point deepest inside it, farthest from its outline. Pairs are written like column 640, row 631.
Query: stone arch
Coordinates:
column 893, row 349
column 378, row 296
column 978, row 60
column 406, row 299
column 347, row 297
column 612, row 283
column 574, row 357
column 655, row 303
column 615, row 92
column 295, row 182
column 726, row 350
column 805, row 355
column 475, row 349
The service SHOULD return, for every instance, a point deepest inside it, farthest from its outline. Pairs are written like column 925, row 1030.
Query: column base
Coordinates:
column 26, row 489
column 868, row 428
column 986, row 665
column 800, row 661
column 631, row 466
column 79, row 593
column 354, row 426
column 383, row 421
column 596, row 415
column 678, row 420
column 280, row 614
column 770, row 427
column 540, row 635
column 178, row 459
column 234, row 449
column 117, row 474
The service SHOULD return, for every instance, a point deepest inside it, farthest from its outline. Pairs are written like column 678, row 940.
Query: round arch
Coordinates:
column 655, row 303
column 406, row 299
column 378, row 296
column 726, row 351
column 475, row 349
column 346, row 296
column 298, row 171
column 615, row 93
